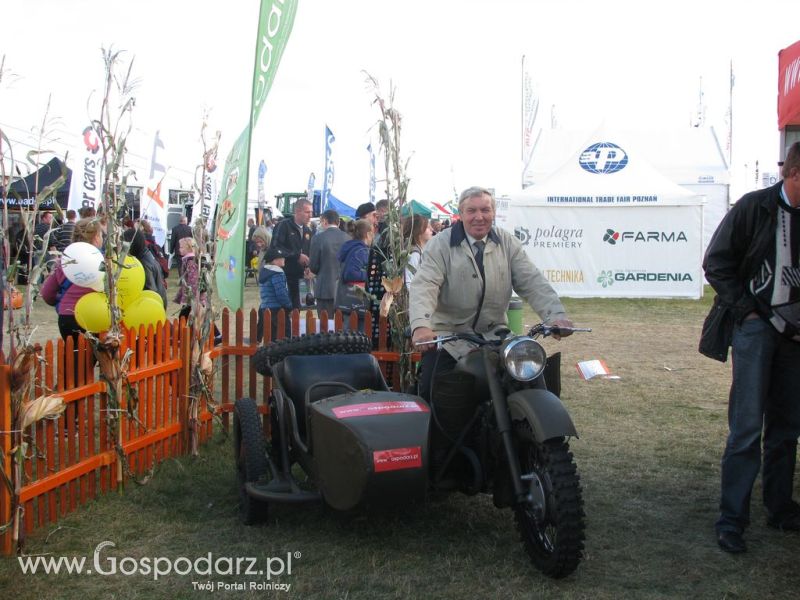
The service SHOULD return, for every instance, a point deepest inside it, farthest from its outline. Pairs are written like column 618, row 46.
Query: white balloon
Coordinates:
column 100, row 284
column 81, row 263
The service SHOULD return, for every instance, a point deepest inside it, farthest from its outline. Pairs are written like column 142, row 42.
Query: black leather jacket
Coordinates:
column 736, row 251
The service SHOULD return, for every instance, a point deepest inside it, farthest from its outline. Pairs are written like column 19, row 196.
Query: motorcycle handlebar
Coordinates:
column 537, row 330
column 547, row 330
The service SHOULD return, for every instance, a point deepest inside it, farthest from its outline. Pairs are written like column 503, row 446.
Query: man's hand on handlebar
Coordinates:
column 422, row 335
column 562, row 323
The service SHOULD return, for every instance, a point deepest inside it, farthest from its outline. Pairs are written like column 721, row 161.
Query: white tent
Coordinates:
column 690, row 157
column 607, row 224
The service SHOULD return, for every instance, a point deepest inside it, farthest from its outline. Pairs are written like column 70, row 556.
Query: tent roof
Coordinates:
column 686, row 156
column 344, row 210
column 22, row 192
column 417, row 208
column 570, row 184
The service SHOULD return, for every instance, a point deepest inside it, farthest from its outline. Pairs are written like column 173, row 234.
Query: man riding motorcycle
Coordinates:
column 465, row 281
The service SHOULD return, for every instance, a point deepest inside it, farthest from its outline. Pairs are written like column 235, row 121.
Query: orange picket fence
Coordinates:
column 72, row 459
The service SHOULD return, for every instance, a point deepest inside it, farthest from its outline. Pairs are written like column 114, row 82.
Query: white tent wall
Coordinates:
column 612, row 251
column 690, row 157
column 607, row 224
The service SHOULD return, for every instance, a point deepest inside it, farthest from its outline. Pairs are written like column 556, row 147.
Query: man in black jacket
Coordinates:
column 293, row 237
column 753, row 263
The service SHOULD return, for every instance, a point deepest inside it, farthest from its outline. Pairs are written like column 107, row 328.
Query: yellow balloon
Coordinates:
column 144, row 311
column 93, row 312
column 131, row 281
column 151, row 294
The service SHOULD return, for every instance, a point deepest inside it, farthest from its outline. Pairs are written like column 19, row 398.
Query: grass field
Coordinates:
column 648, row 456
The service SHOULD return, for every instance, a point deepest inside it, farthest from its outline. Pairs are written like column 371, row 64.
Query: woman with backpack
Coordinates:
column 60, row 292
column 354, row 256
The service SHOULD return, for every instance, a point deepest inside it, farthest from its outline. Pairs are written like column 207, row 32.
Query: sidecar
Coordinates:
column 336, row 434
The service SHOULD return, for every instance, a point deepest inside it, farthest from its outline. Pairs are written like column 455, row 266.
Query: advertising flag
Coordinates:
column 86, row 185
column 153, row 203
column 327, row 183
column 530, row 108
column 310, row 188
column 276, row 18
column 372, row 181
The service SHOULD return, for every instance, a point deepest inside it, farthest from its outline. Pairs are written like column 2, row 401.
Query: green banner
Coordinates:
column 276, row 18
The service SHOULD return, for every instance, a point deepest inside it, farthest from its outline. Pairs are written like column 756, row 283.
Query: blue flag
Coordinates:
column 327, row 184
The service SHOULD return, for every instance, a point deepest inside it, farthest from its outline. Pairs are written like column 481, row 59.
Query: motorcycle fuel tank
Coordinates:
column 370, row 448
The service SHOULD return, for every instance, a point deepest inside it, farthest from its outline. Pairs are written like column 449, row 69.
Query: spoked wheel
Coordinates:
column 551, row 520
column 250, row 456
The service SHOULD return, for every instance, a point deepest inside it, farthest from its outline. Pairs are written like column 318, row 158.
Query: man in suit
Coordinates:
column 323, row 263
column 293, row 237
column 180, row 231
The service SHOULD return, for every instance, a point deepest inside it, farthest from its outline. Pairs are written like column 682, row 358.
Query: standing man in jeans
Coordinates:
column 293, row 237
column 753, row 263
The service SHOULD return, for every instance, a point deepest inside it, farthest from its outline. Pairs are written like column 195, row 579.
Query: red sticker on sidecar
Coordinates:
column 379, row 408
column 397, row 458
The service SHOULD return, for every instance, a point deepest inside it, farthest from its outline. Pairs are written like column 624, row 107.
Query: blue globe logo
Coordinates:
column 603, row 158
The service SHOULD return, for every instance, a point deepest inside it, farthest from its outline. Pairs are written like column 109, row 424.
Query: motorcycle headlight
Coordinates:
column 524, row 358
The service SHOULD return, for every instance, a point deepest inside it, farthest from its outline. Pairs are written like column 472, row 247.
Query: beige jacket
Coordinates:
column 445, row 294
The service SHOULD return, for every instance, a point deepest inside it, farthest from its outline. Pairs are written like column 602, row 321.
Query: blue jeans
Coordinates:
column 765, row 395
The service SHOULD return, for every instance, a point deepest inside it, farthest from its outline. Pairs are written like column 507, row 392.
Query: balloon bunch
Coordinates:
column 81, row 263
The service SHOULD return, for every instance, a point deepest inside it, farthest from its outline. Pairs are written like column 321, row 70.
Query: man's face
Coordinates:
column 302, row 215
column 372, row 217
column 477, row 215
column 792, row 184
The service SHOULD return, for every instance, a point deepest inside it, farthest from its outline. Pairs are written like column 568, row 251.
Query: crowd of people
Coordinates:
column 331, row 256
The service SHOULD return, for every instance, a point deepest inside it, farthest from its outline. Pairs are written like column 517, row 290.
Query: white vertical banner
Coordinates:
column 86, row 186
column 153, row 204
column 206, row 201
column 530, row 108
column 372, row 180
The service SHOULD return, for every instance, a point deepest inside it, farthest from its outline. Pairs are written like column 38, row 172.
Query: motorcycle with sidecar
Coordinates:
column 492, row 427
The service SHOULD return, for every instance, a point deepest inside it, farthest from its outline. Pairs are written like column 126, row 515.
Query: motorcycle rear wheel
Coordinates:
column 553, row 533
column 250, row 457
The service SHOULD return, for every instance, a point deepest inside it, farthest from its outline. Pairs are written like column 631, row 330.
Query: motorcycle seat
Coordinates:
column 297, row 374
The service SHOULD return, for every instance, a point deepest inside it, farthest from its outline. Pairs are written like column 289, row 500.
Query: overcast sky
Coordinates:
column 456, row 66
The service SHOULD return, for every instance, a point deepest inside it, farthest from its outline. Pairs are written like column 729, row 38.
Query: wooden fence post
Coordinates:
column 185, row 379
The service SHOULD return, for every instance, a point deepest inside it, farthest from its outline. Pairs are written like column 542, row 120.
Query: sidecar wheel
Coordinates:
column 337, row 342
column 250, row 456
column 551, row 523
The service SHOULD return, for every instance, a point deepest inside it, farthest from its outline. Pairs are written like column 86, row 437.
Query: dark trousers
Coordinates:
column 68, row 328
column 274, row 312
column 293, row 283
column 433, row 363
column 328, row 305
column 765, row 395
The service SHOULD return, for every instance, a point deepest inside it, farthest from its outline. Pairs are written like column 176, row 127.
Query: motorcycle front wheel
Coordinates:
column 551, row 519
